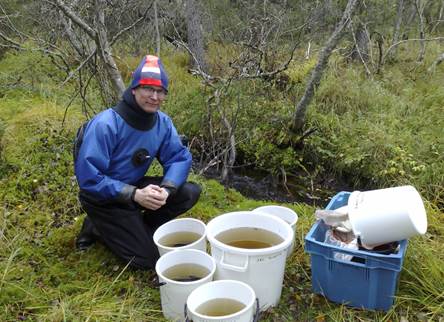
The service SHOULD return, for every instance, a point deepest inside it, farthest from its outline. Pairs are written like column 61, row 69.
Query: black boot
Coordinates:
column 88, row 235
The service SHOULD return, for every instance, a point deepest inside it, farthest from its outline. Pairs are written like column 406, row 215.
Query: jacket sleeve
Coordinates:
column 175, row 159
column 93, row 160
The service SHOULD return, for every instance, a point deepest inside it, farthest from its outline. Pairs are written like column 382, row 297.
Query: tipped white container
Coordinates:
column 386, row 215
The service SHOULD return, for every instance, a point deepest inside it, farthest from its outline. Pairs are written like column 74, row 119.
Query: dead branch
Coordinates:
column 404, row 41
column 122, row 31
column 74, row 17
column 82, row 64
column 438, row 61
column 367, row 71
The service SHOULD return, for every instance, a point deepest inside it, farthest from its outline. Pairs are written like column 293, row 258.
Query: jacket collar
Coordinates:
column 133, row 114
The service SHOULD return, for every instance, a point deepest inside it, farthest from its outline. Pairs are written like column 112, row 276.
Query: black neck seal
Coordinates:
column 133, row 114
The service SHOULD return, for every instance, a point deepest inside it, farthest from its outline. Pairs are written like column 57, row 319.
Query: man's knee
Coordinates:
column 191, row 192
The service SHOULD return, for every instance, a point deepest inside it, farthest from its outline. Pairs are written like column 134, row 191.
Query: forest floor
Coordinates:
column 44, row 278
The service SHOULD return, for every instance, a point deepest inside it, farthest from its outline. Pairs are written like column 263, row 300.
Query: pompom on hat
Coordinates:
column 150, row 72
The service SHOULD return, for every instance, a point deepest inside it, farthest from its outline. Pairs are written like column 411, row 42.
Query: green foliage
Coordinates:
column 385, row 130
column 380, row 131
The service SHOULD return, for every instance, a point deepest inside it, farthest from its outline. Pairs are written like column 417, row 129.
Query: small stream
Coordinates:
column 260, row 185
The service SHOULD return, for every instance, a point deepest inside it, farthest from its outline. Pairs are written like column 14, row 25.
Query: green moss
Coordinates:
column 386, row 130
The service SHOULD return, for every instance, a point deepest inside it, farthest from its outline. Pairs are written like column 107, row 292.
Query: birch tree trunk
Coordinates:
column 99, row 37
column 361, row 49
column 195, row 35
column 313, row 83
column 419, row 4
column 398, row 22
column 156, row 23
column 439, row 19
column 105, row 52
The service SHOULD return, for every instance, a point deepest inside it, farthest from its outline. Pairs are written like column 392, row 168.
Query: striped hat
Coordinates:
column 150, row 72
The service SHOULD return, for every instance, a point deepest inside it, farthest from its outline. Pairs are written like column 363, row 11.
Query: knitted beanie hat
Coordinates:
column 150, row 72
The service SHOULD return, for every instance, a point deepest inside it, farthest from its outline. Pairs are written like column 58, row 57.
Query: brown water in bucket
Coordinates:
column 249, row 237
column 178, row 239
column 186, row 272
column 220, row 307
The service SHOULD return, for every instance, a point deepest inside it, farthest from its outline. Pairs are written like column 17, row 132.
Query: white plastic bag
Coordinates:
column 332, row 240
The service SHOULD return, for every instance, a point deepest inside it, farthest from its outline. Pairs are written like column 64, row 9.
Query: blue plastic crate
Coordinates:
column 367, row 281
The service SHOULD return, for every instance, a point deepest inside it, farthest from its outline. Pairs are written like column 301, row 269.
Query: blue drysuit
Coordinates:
column 105, row 166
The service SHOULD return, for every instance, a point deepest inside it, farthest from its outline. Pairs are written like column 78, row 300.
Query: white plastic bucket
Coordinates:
column 263, row 268
column 174, row 294
column 224, row 289
column 386, row 215
column 181, row 225
column 286, row 214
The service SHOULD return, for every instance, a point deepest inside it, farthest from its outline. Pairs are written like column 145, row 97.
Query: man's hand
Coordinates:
column 151, row 197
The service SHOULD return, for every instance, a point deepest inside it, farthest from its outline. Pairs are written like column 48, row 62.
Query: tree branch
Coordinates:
column 407, row 40
column 71, row 74
column 276, row 71
column 121, row 32
column 74, row 17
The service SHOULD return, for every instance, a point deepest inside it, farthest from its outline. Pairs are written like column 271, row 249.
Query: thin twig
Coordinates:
column 121, row 32
column 407, row 40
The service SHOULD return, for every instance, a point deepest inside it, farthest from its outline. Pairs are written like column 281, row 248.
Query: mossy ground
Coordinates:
column 44, row 278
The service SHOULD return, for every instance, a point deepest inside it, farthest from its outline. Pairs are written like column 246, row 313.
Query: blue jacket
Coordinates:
column 105, row 166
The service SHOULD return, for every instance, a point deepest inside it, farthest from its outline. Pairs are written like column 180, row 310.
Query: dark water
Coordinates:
column 259, row 185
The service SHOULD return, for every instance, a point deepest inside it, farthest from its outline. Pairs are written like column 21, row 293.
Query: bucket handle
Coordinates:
column 185, row 313
column 256, row 317
column 234, row 267
column 257, row 314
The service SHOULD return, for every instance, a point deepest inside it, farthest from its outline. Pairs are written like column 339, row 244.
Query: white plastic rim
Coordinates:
column 180, row 225
column 235, row 290
column 286, row 214
column 386, row 215
column 185, row 256
column 237, row 219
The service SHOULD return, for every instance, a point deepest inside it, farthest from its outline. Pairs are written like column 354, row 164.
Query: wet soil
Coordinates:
column 299, row 188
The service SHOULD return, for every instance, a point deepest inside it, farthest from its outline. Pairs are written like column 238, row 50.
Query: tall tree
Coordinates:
column 195, row 34
column 98, row 34
column 420, row 4
column 398, row 21
column 318, row 71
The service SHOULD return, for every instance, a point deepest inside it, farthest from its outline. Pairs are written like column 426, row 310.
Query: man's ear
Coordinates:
column 133, row 91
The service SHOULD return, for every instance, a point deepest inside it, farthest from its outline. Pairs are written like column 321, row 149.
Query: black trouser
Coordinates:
column 127, row 230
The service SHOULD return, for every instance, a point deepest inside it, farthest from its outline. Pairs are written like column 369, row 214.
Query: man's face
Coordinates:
column 149, row 97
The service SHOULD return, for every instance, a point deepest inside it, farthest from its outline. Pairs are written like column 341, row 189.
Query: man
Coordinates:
column 112, row 153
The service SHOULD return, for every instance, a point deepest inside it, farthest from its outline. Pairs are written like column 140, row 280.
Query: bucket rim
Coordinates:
column 216, row 318
column 245, row 251
column 199, row 281
column 168, row 248
column 263, row 208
